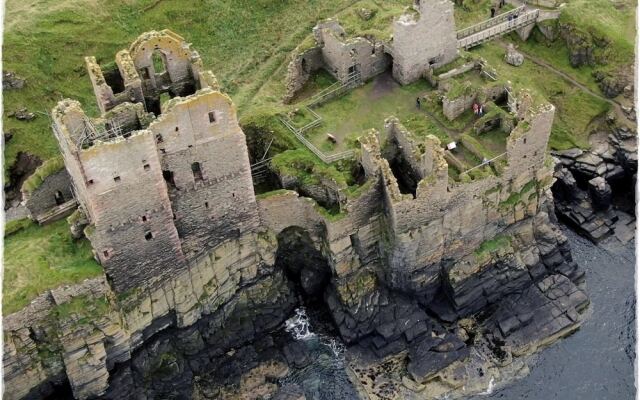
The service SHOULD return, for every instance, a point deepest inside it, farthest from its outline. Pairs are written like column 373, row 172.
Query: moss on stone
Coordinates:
column 48, row 168
column 495, row 245
column 16, row 225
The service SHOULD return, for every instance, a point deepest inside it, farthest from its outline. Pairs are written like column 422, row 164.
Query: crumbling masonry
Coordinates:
column 158, row 191
column 164, row 179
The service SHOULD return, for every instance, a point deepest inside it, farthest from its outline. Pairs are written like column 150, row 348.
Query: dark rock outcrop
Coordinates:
column 593, row 187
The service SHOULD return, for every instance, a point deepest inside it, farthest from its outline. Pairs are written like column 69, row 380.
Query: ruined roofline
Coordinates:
column 85, row 135
column 175, row 102
column 137, row 44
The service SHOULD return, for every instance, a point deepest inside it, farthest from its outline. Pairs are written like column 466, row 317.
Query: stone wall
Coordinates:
column 300, row 69
column 203, row 151
column 424, row 40
column 158, row 191
column 343, row 55
column 54, row 190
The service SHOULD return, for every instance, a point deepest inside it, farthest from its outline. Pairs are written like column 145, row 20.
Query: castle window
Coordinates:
column 168, row 177
column 148, row 235
column 212, row 117
column 144, row 218
column 197, row 172
column 116, row 179
column 177, row 129
column 59, row 197
column 159, row 62
column 106, row 253
column 525, row 141
column 147, row 167
column 206, row 204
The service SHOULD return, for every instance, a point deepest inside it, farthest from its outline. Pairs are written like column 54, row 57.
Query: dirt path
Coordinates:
column 563, row 75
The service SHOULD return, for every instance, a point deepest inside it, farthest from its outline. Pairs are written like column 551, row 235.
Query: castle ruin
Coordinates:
column 164, row 179
column 160, row 183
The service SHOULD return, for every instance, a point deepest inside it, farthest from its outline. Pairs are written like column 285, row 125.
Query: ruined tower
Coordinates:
column 163, row 175
column 423, row 40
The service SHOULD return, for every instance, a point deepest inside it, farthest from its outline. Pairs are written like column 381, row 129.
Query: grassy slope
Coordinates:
column 246, row 43
column 243, row 41
column 602, row 18
column 41, row 258
column 575, row 109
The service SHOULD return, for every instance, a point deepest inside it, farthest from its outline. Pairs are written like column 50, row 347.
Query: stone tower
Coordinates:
column 425, row 40
column 163, row 175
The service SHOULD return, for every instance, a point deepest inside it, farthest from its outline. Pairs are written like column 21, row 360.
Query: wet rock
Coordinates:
column 11, row 81
column 297, row 354
column 552, row 307
column 513, row 57
column 289, row 392
column 433, row 354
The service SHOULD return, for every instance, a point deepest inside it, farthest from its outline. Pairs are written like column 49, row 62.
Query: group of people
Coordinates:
column 478, row 109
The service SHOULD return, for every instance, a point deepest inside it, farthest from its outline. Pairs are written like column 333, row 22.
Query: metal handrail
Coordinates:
column 488, row 23
column 502, row 28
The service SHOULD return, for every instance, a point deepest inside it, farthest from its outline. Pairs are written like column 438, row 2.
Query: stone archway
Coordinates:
column 303, row 263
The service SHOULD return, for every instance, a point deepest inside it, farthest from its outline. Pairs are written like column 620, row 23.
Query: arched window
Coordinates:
column 159, row 62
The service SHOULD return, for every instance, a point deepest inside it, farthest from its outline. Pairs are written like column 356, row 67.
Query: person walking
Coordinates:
column 493, row 12
column 475, row 108
column 481, row 110
column 418, row 102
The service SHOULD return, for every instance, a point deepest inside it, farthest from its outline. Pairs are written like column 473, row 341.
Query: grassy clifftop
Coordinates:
column 243, row 41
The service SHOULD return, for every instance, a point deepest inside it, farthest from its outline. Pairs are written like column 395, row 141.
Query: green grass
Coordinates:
column 40, row 258
column 472, row 12
column 367, row 107
column 14, row 226
column 246, row 43
column 575, row 109
column 82, row 309
column 318, row 81
column 599, row 21
column 304, row 165
column 380, row 25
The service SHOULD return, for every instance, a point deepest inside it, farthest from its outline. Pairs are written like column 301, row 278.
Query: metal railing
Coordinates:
column 483, row 163
column 498, row 30
column 324, row 157
column 462, row 33
column 336, row 89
